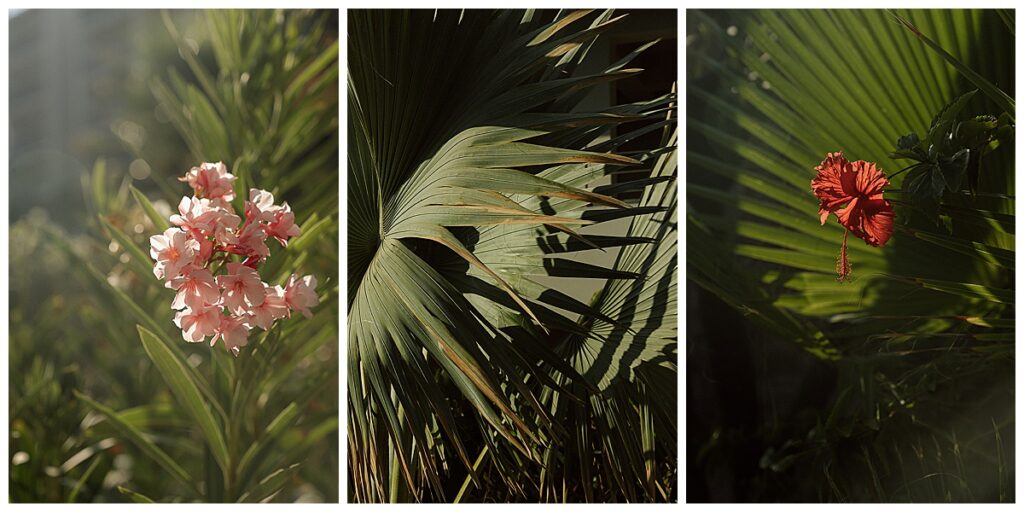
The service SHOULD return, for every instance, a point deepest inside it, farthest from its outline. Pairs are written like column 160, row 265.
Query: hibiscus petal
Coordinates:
column 846, row 213
column 870, row 180
column 876, row 222
column 828, row 185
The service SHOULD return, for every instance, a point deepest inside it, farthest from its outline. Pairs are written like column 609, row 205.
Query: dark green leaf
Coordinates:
column 923, row 186
column 948, row 113
column 953, row 169
column 908, row 142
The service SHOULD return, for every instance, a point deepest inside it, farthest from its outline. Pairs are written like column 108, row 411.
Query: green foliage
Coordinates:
column 470, row 176
column 771, row 93
column 152, row 418
column 950, row 150
column 276, row 75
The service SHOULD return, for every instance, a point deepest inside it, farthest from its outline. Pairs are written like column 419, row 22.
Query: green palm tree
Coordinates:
column 770, row 93
column 471, row 375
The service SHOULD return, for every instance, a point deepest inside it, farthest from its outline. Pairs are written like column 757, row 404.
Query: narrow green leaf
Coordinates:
column 189, row 55
column 283, row 420
column 140, row 260
column 136, row 497
column 99, row 184
column 81, row 480
column 140, row 440
column 999, row 221
column 469, row 480
column 978, row 291
column 177, row 376
column 328, row 58
column 158, row 220
column 311, row 234
column 269, row 486
column 1007, row 16
column 986, row 253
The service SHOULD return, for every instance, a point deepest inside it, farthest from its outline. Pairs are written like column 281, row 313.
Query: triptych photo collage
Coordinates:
column 408, row 256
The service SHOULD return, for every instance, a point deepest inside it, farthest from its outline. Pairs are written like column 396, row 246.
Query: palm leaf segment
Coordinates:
column 629, row 353
column 461, row 194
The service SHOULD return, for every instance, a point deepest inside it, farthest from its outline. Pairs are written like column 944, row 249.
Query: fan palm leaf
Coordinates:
column 469, row 169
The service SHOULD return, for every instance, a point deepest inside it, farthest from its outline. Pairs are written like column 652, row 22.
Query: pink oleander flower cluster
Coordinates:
column 212, row 258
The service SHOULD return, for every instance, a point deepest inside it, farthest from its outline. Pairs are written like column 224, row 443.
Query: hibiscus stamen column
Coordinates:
column 843, row 267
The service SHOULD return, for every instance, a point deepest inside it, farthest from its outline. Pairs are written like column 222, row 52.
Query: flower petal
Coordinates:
column 828, row 185
column 872, row 221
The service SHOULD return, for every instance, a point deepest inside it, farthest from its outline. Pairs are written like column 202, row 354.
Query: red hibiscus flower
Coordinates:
column 853, row 191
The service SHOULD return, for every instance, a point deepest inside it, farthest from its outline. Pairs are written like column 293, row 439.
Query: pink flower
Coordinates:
column 197, row 324
column 208, row 238
column 300, row 294
column 203, row 217
column 260, row 206
column 243, row 288
column 283, row 227
column 251, row 241
column 211, row 181
column 195, row 214
column 234, row 330
column 173, row 251
column 224, row 232
column 273, row 308
column 205, row 251
column 196, row 289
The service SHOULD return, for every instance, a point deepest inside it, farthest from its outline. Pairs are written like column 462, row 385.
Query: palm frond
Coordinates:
column 471, row 176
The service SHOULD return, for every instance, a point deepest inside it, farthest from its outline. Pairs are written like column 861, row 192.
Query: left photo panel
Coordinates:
column 173, row 237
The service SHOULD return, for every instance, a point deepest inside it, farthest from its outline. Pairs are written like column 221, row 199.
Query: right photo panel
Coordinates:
column 850, row 260
column 512, row 261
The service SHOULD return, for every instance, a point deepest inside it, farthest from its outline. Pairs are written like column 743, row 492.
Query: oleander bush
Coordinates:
column 109, row 402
